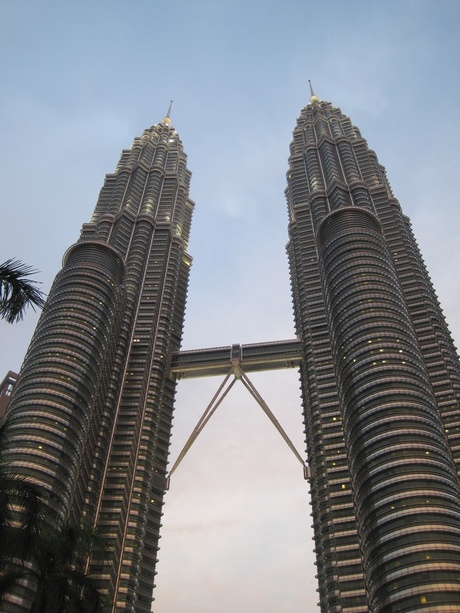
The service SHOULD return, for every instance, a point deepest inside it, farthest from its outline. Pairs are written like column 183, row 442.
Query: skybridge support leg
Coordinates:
column 224, row 388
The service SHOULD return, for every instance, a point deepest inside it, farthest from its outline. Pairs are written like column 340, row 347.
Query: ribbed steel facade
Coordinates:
column 380, row 382
column 93, row 406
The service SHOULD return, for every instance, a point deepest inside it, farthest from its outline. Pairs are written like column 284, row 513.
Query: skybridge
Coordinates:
column 233, row 363
column 250, row 358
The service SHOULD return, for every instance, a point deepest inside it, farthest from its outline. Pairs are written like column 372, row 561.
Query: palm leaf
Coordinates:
column 17, row 292
column 8, row 580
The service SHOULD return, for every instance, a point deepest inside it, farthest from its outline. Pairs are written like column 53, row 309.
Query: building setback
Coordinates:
column 380, row 381
column 91, row 412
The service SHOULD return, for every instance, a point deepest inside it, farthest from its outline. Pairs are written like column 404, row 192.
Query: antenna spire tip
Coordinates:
column 313, row 96
column 167, row 119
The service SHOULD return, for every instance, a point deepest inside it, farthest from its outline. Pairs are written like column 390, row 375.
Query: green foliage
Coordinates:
column 55, row 564
column 20, row 507
column 17, row 292
column 51, row 558
column 59, row 559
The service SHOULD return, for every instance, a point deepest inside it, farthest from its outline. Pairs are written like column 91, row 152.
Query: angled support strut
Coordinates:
column 224, row 388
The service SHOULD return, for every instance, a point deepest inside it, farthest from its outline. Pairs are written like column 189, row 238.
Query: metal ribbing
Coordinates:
column 151, row 229
column 338, row 559
column 53, row 410
column 404, row 482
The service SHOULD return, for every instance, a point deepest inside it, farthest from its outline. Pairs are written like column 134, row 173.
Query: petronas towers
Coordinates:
column 380, row 376
column 380, row 380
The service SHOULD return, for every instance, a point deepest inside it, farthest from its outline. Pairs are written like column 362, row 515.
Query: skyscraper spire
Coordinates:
column 167, row 119
column 313, row 96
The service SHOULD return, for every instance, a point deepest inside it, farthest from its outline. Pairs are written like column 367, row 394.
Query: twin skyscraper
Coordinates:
column 91, row 412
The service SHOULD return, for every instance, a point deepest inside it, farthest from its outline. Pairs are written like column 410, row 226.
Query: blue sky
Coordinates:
column 80, row 80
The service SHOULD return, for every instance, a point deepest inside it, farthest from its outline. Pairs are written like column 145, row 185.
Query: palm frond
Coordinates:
column 17, row 292
column 8, row 579
column 21, row 508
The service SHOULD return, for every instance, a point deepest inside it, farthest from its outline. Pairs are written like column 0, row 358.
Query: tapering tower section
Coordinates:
column 91, row 413
column 380, row 381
